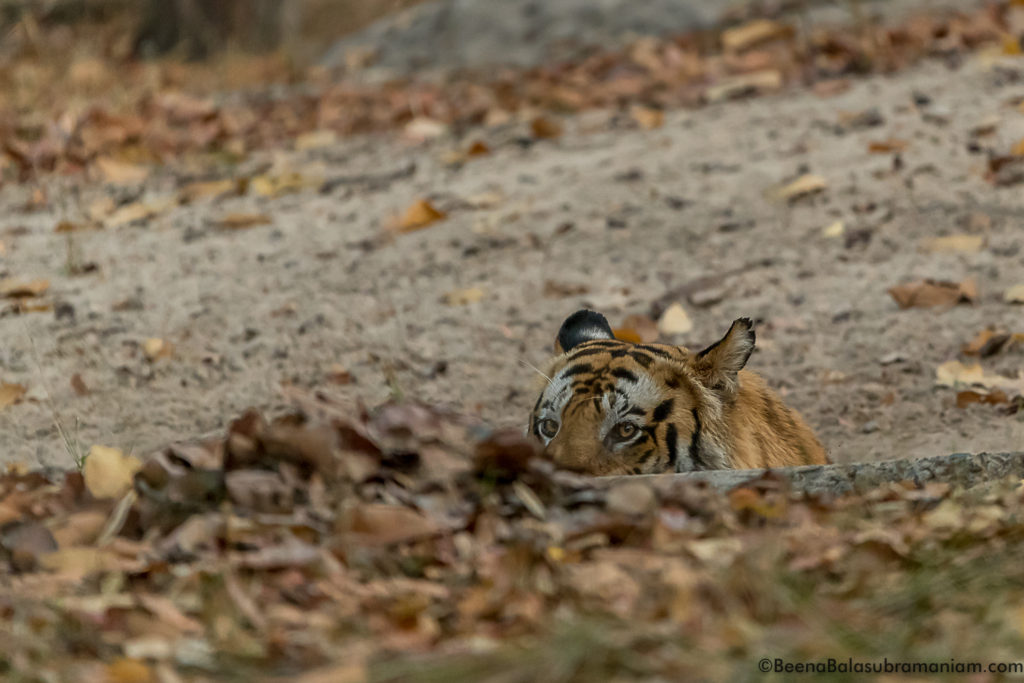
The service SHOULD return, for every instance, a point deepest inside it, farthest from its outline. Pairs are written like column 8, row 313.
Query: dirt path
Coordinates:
column 605, row 216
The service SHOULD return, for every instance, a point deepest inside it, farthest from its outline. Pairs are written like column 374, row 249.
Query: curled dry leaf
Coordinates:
column 139, row 211
column 930, row 293
column 803, row 186
column 108, row 472
column 966, row 398
column 419, row 215
column 887, row 146
column 766, row 80
column 835, row 229
column 16, row 289
column 212, row 189
column 955, row 374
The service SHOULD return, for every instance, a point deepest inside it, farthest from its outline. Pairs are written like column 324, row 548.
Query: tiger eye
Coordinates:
column 625, row 430
column 548, row 428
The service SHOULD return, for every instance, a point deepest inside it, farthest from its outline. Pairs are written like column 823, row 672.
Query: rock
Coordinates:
column 459, row 34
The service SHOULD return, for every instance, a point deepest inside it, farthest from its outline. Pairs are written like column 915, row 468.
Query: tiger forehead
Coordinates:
column 612, row 353
column 637, row 373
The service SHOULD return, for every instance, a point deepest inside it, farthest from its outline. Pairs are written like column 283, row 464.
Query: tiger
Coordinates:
column 614, row 407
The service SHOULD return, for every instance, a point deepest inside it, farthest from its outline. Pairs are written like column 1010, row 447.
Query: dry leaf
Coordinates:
column 642, row 326
column 754, row 33
column 887, row 146
column 239, row 221
column 627, row 335
column 745, row 84
column 674, row 321
column 462, row 297
column 966, row 398
column 210, row 188
column 11, row 393
column 803, row 186
column 929, row 293
column 477, row 149
column 377, row 523
column 139, row 211
column 108, row 472
column 78, row 385
column 316, row 139
column 424, row 128
column 951, row 373
column 835, row 229
column 419, row 215
column 647, row 118
column 68, row 226
column 155, row 349
column 954, row 243
column 281, row 184
column 121, row 173
column 1014, row 295
column 544, row 128
column 16, row 289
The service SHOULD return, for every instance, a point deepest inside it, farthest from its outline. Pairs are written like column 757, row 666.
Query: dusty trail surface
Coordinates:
column 606, row 215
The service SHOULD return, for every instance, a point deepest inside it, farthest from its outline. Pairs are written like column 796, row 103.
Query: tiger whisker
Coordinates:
column 535, row 369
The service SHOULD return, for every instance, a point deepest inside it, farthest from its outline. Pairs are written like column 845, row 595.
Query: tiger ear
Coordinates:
column 717, row 365
column 581, row 326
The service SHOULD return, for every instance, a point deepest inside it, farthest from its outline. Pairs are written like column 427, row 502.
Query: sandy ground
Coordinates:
column 606, row 216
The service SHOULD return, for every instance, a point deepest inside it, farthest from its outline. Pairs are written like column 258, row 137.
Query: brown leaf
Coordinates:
column 545, row 128
column 239, row 221
column 121, row 173
column 477, row 149
column 966, row 398
column 211, row 188
column 419, row 215
column 642, row 325
column 26, row 542
column 14, row 289
column 887, row 146
column 379, row 524
column 929, row 293
column 78, row 385
column 754, row 82
column 11, row 393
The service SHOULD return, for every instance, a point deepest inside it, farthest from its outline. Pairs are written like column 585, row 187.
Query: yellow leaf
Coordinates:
column 108, row 472
column 284, row 183
column 804, row 185
column 155, row 348
column 462, row 297
column 419, row 215
column 954, row 243
column 79, row 560
column 139, row 211
column 952, row 373
column 744, row 84
column 121, row 173
column 1014, row 295
column 238, row 221
column 835, row 229
column 11, row 394
column 674, row 321
column 16, row 289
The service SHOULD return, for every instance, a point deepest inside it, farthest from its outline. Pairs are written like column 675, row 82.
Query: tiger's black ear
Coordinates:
column 581, row 326
column 717, row 365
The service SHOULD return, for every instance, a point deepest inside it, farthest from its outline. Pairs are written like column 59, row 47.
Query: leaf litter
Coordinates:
column 410, row 543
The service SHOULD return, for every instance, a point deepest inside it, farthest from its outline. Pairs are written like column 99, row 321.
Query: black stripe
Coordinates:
column 653, row 349
column 662, row 411
column 695, row 454
column 641, row 358
column 625, row 374
column 635, row 411
column 670, row 443
column 576, row 370
column 646, row 456
column 586, row 352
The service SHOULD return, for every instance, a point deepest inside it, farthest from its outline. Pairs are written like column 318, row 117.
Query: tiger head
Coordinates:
column 615, row 407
